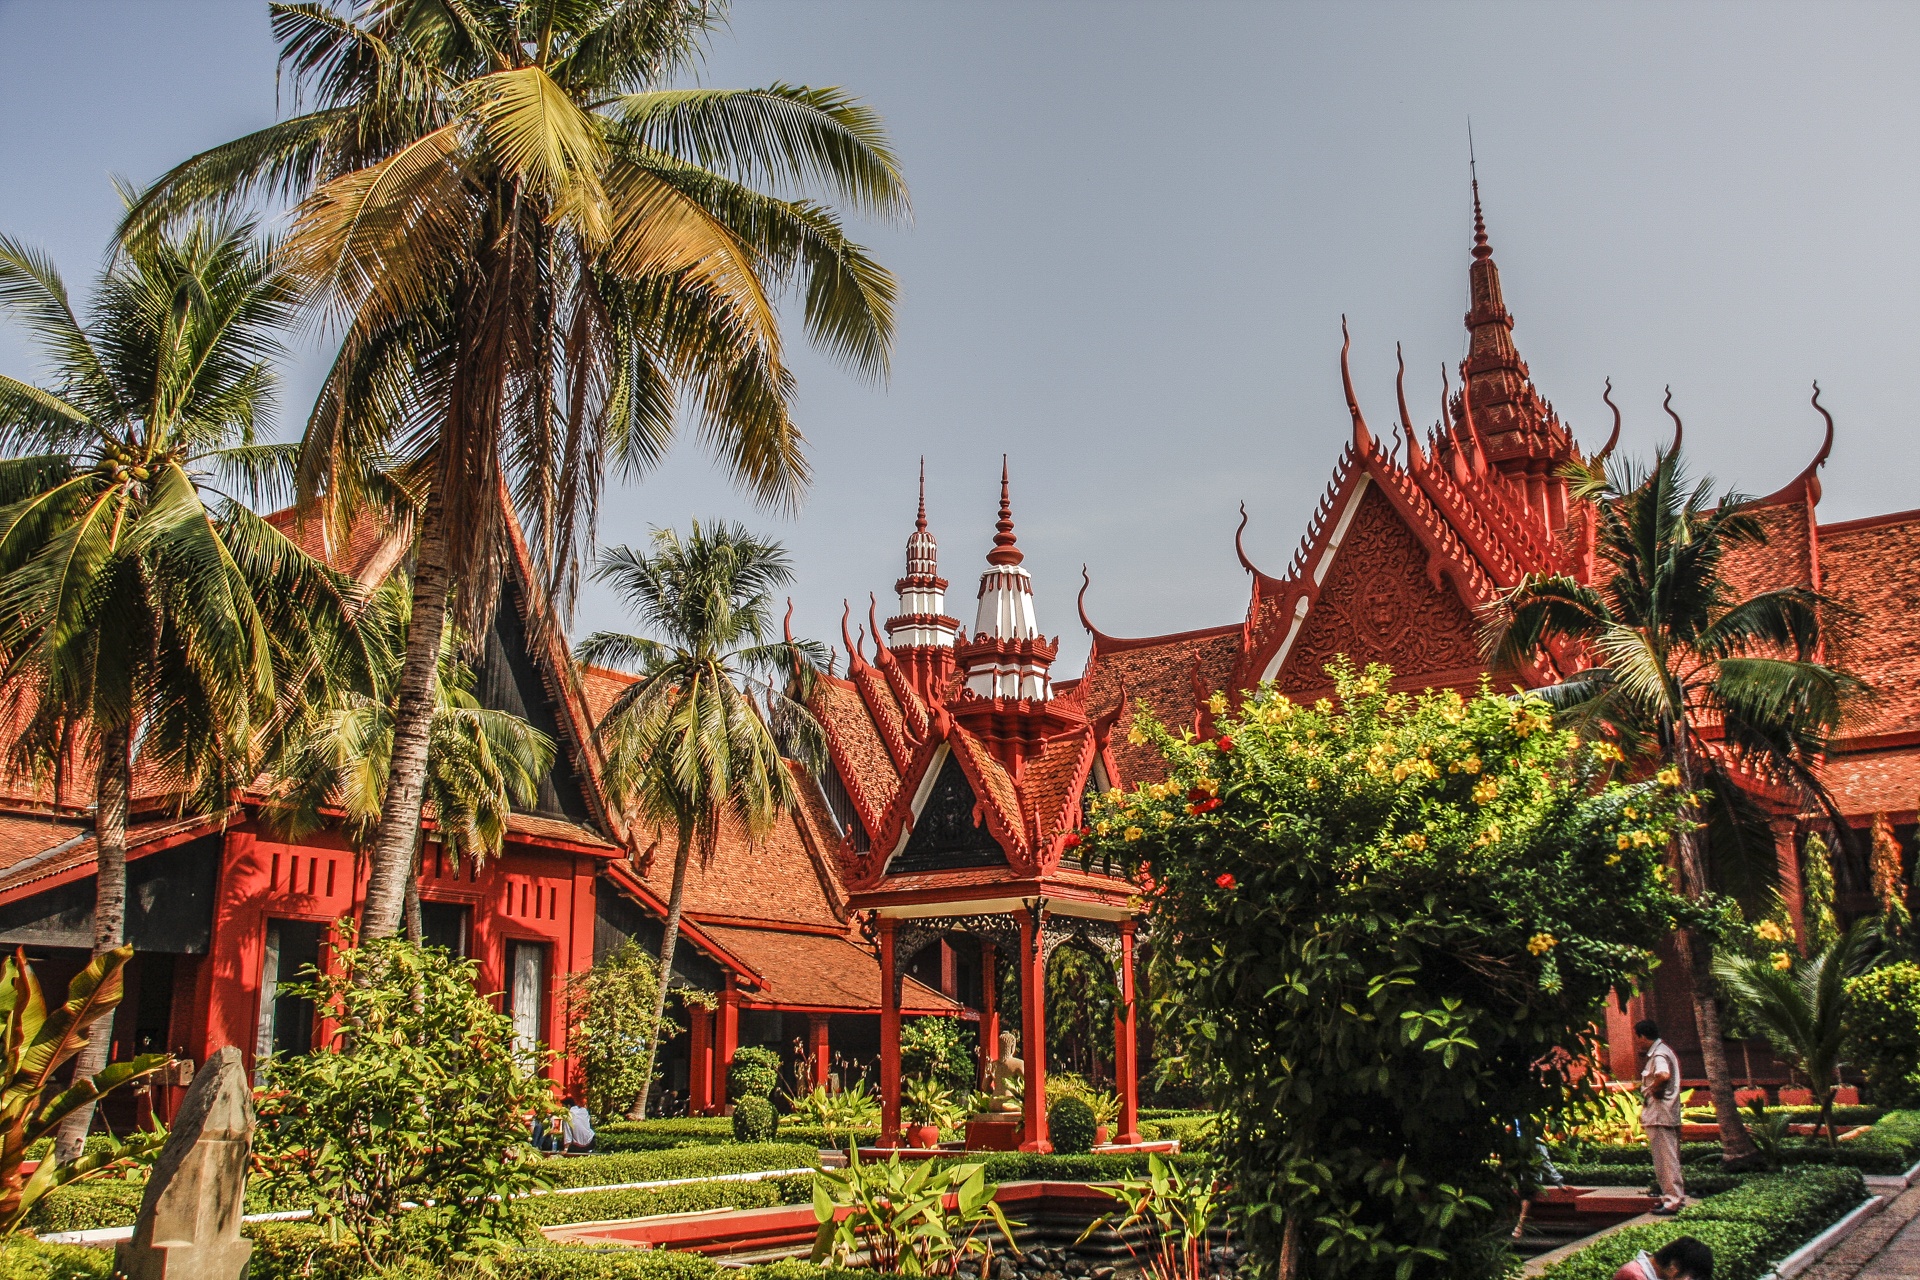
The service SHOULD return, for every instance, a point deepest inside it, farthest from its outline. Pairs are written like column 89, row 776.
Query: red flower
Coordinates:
column 1072, row 841
column 1225, row 743
column 1204, row 806
column 1195, row 796
column 1226, row 881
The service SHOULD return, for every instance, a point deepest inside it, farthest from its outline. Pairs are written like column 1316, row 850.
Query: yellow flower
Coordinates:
column 1668, row 777
column 1613, row 859
column 1164, row 817
column 1490, row 835
column 1396, row 704
column 1137, row 736
column 1485, row 791
column 1471, row 764
column 1414, row 840
column 1323, row 705
column 1217, row 704
column 1313, row 784
column 1101, row 828
column 1541, row 943
column 1770, row 931
column 1209, row 785
column 1624, row 842
column 1607, row 751
column 1401, row 770
column 1131, row 834
column 1782, row 961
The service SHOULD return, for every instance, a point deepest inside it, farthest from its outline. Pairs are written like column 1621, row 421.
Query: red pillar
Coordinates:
column 819, row 1051
column 728, row 1035
column 1126, row 1052
column 699, row 1060
column 949, row 971
column 989, row 1009
column 1786, row 853
column 889, row 1039
column 1033, row 1039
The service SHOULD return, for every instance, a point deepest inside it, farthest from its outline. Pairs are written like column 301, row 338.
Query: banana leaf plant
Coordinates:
column 916, row 1219
column 36, row 1043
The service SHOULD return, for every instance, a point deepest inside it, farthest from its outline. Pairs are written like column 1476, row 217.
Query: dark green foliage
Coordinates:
column 1192, row 1132
column 577, row 1262
column 754, row 1073
column 672, row 1135
column 1032, row 1166
column 941, row 1049
column 86, row 1207
column 1374, row 918
column 608, row 1206
column 1700, row 1182
column 1884, row 1032
column 754, row 1119
column 1070, row 1126
column 660, row 1166
column 1748, row 1228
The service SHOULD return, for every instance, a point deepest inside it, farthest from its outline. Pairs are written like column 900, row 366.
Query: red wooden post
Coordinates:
column 1126, row 1050
column 889, row 1039
column 728, row 1034
column 989, row 1008
column 1033, row 1046
column 699, row 1061
column 949, row 971
column 821, row 1052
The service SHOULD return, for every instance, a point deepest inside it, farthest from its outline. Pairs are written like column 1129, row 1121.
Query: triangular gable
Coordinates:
column 950, row 829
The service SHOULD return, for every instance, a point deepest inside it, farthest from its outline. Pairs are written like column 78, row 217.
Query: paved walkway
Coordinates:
column 1886, row 1247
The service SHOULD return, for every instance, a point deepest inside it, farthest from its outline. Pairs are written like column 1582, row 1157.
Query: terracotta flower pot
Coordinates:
column 1100, row 1136
column 923, row 1136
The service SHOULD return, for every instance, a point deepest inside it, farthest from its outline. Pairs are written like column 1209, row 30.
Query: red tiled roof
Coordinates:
column 68, row 846
column 1872, row 567
column 1870, row 782
column 600, row 686
column 1164, row 675
column 777, row 879
column 372, row 549
column 814, row 971
column 533, row 826
column 864, row 763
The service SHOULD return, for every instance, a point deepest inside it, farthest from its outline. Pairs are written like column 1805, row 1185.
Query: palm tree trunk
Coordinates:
column 676, row 898
column 392, row 857
column 1696, row 957
column 112, row 788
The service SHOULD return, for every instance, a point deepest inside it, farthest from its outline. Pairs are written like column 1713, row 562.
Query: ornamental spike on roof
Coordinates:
column 921, row 635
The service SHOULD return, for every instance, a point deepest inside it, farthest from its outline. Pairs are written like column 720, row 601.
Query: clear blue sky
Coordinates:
column 1137, row 226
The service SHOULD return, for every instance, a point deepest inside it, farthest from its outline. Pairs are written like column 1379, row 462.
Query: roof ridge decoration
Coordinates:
column 912, row 709
column 1414, row 460
column 1431, row 526
column 1679, row 427
column 1362, row 438
column 1806, row 485
column 1613, row 440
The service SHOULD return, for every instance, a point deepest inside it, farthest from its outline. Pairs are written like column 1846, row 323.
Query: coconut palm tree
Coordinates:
column 480, row 762
column 1693, row 673
column 537, row 252
column 1802, row 1008
column 148, row 619
column 690, row 747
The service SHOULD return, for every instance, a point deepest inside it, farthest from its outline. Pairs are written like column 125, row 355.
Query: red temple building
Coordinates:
column 936, row 855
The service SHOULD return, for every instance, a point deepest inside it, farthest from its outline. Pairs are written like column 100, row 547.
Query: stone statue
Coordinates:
column 1004, row 1074
column 189, row 1223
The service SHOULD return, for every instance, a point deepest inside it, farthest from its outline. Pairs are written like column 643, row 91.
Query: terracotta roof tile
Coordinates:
column 600, row 686
column 1873, row 568
column 778, row 879
column 816, row 971
column 865, row 764
column 1163, row 675
column 35, row 849
column 1872, row 782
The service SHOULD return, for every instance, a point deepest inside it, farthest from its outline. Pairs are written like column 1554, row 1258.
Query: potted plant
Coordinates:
column 928, row 1104
column 1106, row 1109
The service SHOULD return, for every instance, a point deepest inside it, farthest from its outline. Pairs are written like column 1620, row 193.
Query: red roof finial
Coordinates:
column 1004, row 551
column 920, row 521
column 1481, row 249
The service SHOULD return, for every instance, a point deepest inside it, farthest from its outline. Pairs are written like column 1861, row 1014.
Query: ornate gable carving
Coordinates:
column 951, row 831
column 1377, row 604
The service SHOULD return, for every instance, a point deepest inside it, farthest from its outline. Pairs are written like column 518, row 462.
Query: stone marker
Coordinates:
column 189, row 1223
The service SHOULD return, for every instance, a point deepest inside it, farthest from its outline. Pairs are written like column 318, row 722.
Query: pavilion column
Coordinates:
column 989, row 1008
column 727, row 1016
column 699, row 1060
column 889, row 1039
column 1126, row 1053
column 1033, row 1039
column 818, row 1049
column 1786, row 853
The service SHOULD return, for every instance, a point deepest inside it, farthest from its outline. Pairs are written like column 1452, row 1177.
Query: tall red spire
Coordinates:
column 1004, row 551
column 921, row 635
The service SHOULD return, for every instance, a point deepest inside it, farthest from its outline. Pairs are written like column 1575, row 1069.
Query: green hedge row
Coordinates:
column 691, row 1162
column 672, row 1135
column 23, row 1258
column 607, row 1206
column 1749, row 1228
column 1891, row 1146
column 1700, row 1182
column 1843, row 1116
column 1031, row 1166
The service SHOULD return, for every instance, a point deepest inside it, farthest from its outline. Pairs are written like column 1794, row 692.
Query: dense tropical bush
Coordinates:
column 611, row 1026
column 754, row 1119
column 419, row 1096
column 1884, row 1032
column 1375, row 921
column 940, row 1049
column 754, row 1073
column 1070, row 1126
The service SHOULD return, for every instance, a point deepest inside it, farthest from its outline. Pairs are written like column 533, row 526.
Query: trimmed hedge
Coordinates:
column 708, row 1131
column 692, row 1162
column 24, row 1258
column 607, row 1206
column 1033, row 1166
column 1700, row 1182
column 1891, row 1146
column 1193, row 1132
column 1748, row 1228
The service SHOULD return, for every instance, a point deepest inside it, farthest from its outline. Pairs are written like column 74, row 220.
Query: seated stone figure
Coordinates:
column 1005, row 1074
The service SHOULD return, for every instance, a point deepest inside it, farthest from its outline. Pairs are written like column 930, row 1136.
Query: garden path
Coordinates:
column 1886, row 1247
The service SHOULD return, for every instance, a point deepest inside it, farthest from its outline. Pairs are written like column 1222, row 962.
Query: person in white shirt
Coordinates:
column 577, row 1128
column 1660, row 1113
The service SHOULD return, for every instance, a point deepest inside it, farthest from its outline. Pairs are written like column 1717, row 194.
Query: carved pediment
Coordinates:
column 1378, row 603
column 950, row 830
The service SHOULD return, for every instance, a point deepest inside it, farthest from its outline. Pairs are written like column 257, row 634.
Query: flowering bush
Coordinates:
column 1384, row 928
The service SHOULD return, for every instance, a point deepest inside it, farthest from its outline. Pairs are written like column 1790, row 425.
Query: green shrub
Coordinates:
column 1192, row 1132
column 754, row 1073
column 23, row 1258
column 610, row 1018
column 300, row 1251
column 681, row 1135
column 87, row 1207
column 754, row 1119
column 1883, row 1032
column 796, row 1269
column 1034, row 1166
column 1700, row 1182
column 610, row 1206
column 581, row 1262
column 1070, row 1126
column 940, row 1049
column 1796, row 1205
column 1741, row 1250
column 660, row 1166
